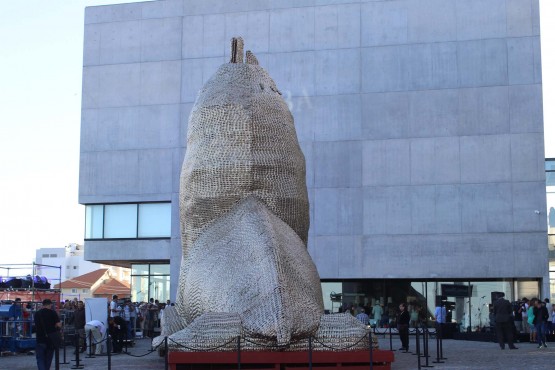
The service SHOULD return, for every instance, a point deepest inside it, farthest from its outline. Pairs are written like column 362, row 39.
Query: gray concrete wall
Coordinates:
column 421, row 122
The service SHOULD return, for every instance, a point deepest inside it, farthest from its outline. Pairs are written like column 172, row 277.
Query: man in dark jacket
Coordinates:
column 403, row 320
column 541, row 316
column 46, row 322
column 79, row 323
column 504, row 322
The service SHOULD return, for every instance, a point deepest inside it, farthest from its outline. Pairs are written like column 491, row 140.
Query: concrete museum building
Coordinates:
column 420, row 121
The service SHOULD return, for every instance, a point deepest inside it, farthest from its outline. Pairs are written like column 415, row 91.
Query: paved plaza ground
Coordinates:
column 461, row 355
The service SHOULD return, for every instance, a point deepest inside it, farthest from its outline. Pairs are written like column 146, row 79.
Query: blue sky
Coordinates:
column 40, row 112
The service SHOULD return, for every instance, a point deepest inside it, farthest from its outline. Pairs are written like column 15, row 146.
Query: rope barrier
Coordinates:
column 342, row 348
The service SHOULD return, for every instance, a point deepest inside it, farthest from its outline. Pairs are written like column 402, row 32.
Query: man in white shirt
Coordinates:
column 94, row 331
column 114, row 310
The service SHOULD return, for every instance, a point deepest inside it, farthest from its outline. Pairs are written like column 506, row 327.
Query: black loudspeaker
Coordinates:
column 496, row 295
column 440, row 300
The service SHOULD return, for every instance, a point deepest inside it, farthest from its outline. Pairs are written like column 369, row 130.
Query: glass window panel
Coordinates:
column 550, row 178
column 160, row 289
column 159, row 269
column 139, row 269
column 332, row 296
column 550, row 164
column 94, row 220
column 120, row 221
column 154, row 220
column 139, row 288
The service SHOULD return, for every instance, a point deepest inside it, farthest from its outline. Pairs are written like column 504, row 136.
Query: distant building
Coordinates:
column 98, row 283
column 72, row 261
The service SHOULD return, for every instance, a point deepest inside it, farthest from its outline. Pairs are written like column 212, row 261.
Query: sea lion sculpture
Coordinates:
column 244, row 214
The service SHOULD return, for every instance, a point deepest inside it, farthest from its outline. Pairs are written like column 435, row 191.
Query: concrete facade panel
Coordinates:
column 384, row 23
column 520, row 17
column 337, row 164
column 433, row 113
column 521, row 60
column 525, row 108
column 166, row 9
column 337, row 26
column 138, row 127
column 161, row 82
column 387, row 210
column 385, row 69
column 436, row 21
column 435, row 209
column 214, row 42
column 337, row 117
column 126, row 250
column 337, row 211
column 485, row 158
column 482, row 62
column 293, row 73
column 527, row 157
column 254, row 27
column 486, row 208
column 193, row 26
column 155, row 168
column 527, row 200
column 433, row 66
column 386, row 162
column 292, row 29
column 120, row 42
column 484, row 110
column 477, row 19
column 435, row 161
column 91, row 46
column 113, row 13
column 111, row 86
column 161, row 39
column 385, row 115
column 337, row 71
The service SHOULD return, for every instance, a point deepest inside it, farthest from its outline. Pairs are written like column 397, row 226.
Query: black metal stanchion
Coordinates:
column 166, row 355
column 109, row 350
column 438, row 335
column 426, row 347
column 90, row 354
column 418, row 347
column 239, row 352
column 441, row 343
column 126, row 340
column 390, row 340
column 64, row 351
column 371, row 345
column 77, row 365
column 57, row 358
column 310, row 352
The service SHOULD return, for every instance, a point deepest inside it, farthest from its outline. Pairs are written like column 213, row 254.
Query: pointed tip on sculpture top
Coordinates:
column 237, row 45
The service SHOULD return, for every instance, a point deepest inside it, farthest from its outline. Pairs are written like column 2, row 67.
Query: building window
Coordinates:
column 128, row 221
column 45, row 255
column 150, row 281
column 75, row 267
column 53, row 255
column 74, row 290
column 84, row 290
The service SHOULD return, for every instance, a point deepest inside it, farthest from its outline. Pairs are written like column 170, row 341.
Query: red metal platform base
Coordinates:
column 346, row 360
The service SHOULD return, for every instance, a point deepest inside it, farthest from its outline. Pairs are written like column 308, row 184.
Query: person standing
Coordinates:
column 114, row 309
column 540, row 322
column 363, row 317
column 504, row 324
column 46, row 322
column 403, row 319
column 531, row 319
column 79, row 323
column 547, row 305
column 378, row 312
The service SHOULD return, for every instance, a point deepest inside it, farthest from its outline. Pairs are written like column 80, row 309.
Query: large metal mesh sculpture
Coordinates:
column 244, row 221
